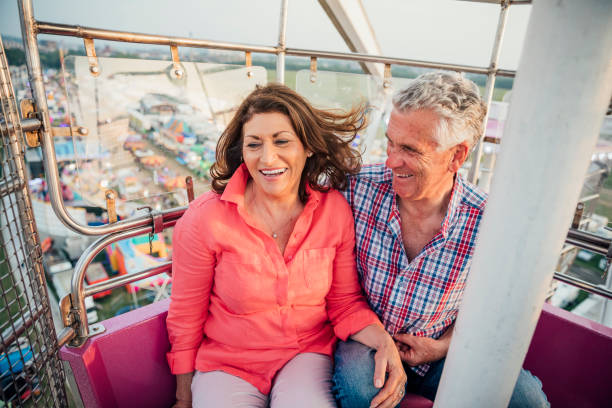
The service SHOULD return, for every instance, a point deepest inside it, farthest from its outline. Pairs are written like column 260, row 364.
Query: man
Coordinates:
column 416, row 224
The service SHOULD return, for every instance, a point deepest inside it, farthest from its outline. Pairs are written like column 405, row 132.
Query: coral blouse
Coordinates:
column 240, row 306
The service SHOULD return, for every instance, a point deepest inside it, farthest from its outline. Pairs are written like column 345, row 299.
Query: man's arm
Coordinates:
column 415, row 350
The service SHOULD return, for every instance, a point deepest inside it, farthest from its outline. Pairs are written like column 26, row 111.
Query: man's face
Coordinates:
column 420, row 171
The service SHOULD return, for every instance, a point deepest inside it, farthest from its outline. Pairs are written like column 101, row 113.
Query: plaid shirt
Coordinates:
column 421, row 296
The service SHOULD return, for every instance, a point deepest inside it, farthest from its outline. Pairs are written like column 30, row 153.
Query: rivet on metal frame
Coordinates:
column 387, row 77
column 177, row 71
column 189, row 183
column 313, row 69
column 248, row 61
column 110, row 206
column 28, row 110
column 90, row 50
column 69, row 131
column 96, row 329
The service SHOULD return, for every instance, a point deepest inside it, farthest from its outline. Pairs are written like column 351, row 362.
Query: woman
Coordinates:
column 264, row 274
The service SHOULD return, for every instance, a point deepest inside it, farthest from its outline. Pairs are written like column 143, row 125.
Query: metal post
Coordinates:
column 282, row 45
column 562, row 90
column 488, row 96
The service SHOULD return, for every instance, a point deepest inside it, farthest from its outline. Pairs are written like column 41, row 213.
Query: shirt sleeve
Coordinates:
column 346, row 305
column 193, row 267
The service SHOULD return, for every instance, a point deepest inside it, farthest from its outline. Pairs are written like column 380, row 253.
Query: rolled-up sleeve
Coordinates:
column 346, row 305
column 193, row 265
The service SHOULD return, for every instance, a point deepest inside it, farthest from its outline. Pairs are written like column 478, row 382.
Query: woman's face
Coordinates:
column 273, row 154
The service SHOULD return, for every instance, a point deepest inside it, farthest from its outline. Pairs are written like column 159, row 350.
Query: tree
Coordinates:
column 15, row 56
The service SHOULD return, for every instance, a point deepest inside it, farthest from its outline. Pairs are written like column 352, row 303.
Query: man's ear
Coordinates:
column 460, row 153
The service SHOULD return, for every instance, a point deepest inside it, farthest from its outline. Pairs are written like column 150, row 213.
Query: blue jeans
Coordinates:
column 354, row 386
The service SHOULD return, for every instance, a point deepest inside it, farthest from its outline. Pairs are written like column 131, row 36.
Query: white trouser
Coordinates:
column 304, row 382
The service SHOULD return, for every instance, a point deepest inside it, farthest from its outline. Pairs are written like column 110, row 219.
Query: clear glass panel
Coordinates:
column 147, row 128
column 336, row 90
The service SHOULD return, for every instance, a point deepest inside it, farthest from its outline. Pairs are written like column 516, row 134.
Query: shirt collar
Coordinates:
column 235, row 188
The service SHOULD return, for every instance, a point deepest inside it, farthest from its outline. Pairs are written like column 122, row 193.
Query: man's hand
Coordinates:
column 416, row 350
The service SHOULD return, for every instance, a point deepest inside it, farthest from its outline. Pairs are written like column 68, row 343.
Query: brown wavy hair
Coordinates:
column 327, row 134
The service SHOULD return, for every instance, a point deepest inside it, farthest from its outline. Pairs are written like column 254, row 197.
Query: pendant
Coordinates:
column 274, row 235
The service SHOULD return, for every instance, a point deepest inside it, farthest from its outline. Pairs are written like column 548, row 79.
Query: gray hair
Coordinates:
column 454, row 98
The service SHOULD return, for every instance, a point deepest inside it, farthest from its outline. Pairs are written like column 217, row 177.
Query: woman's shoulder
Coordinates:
column 334, row 199
column 206, row 203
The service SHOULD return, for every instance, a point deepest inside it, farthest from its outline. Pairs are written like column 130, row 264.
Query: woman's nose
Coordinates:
column 268, row 153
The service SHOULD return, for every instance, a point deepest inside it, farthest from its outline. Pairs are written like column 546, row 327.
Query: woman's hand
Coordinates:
column 183, row 391
column 386, row 361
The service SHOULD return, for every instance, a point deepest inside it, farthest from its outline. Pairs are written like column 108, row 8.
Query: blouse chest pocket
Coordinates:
column 244, row 283
column 317, row 269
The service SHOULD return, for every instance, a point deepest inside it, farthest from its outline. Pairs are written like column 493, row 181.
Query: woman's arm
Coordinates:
column 192, row 278
column 183, row 390
column 386, row 360
column 351, row 316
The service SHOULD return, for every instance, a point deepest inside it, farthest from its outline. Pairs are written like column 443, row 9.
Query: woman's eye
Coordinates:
column 281, row 141
column 253, row 145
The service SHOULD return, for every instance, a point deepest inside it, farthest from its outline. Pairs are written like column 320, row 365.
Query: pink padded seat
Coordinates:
column 126, row 365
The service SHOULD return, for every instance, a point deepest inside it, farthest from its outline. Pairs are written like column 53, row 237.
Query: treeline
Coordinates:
column 51, row 59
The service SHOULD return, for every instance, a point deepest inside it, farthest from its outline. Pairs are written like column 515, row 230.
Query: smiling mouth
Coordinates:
column 273, row 173
column 402, row 176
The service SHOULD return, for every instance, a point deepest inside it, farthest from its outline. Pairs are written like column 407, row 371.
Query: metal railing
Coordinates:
column 32, row 373
column 77, row 330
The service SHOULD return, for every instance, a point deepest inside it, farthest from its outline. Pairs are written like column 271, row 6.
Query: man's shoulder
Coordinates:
column 473, row 196
column 373, row 174
column 372, row 178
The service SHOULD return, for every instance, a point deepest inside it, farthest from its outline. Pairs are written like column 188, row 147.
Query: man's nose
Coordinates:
column 393, row 159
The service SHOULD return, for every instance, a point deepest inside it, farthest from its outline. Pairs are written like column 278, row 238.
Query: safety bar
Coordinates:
column 126, row 36
column 78, row 313
column 586, row 286
column 126, row 279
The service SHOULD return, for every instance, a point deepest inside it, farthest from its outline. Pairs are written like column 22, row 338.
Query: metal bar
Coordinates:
column 588, row 241
column 77, row 292
column 28, row 321
column 488, row 97
column 48, row 149
column 126, row 36
column 27, row 125
column 10, row 186
column 394, row 61
column 586, row 286
column 589, row 198
column 125, row 279
column 282, row 43
column 552, row 137
column 65, row 336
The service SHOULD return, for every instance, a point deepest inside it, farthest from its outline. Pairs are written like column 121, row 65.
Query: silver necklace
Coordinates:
column 274, row 234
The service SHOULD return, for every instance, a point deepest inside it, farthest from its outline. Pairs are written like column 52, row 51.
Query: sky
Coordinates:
column 432, row 30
